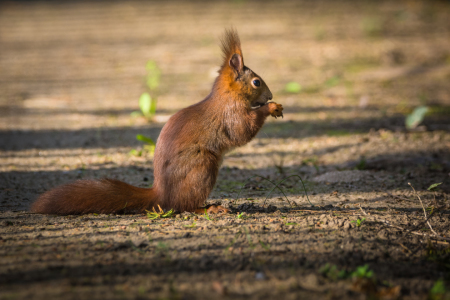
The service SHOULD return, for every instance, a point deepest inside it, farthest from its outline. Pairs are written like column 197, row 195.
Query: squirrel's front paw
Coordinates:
column 275, row 109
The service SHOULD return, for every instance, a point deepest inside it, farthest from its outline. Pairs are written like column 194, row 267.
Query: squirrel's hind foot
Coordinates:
column 213, row 209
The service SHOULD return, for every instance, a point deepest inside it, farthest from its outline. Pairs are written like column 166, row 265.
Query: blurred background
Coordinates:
column 77, row 64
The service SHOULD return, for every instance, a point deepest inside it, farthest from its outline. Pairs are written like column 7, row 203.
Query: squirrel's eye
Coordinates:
column 256, row 83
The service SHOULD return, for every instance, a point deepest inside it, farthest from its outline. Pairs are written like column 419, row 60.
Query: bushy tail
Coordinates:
column 95, row 196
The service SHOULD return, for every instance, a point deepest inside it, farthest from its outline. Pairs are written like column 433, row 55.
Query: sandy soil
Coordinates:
column 72, row 73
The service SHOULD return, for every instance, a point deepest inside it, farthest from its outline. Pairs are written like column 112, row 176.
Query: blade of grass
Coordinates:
column 306, row 193
column 264, row 179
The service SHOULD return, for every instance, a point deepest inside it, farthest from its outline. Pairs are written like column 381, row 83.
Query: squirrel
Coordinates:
column 189, row 150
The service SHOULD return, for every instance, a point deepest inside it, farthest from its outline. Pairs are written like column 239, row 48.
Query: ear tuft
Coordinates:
column 232, row 53
column 236, row 63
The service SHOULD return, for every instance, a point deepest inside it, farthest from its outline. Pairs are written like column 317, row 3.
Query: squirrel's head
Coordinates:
column 239, row 79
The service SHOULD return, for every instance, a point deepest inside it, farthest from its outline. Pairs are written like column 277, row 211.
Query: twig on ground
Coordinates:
column 433, row 213
column 406, row 248
column 424, row 211
column 362, row 209
column 442, row 243
column 436, row 236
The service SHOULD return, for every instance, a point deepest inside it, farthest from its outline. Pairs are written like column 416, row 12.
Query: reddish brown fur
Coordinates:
column 188, row 152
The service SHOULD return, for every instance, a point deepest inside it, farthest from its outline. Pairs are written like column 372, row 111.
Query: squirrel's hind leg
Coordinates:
column 188, row 189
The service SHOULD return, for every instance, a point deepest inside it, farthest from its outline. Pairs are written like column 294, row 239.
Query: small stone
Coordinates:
column 219, row 288
column 260, row 276
column 347, row 225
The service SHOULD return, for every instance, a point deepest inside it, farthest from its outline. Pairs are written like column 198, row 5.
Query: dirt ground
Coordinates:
column 72, row 73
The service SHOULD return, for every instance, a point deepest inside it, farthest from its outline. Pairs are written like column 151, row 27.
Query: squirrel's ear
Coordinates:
column 236, row 63
column 232, row 53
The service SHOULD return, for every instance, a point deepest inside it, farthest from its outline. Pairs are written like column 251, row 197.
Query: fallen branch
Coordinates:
column 406, row 248
column 424, row 211
column 362, row 209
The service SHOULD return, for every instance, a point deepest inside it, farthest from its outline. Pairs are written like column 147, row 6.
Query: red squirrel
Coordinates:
column 189, row 150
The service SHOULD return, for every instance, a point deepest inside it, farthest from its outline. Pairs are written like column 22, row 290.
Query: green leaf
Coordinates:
column 416, row 117
column 145, row 102
column 438, row 288
column 293, row 87
column 153, row 215
column 151, row 66
column 362, row 272
column 150, row 148
column 153, row 75
column 333, row 81
column 135, row 152
column 152, row 110
column 152, row 82
column 191, row 226
column 136, row 114
column 145, row 139
column 434, row 185
column 342, row 274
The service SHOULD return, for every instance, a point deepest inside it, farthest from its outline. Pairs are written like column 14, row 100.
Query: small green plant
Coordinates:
column 147, row 103
column 153, row 75
column 293, row 87
column 433, row 186
column 207, row 217
column 439, row 291
column 332, row 272
column 361, row 164
column 240, row 216
column 153, row 215
column 416, row 117
column 264, row 245
column 192, row 225
column 358, row 222
column 362, row 272
column 149, row 146
column 333, row 81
